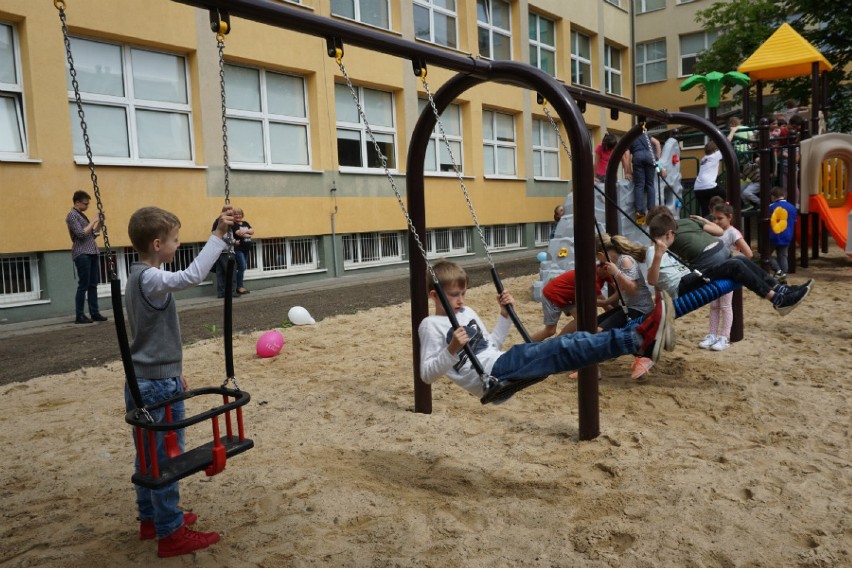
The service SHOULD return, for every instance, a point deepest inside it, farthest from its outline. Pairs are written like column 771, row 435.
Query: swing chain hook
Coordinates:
column 72, row 72
column 233, row 380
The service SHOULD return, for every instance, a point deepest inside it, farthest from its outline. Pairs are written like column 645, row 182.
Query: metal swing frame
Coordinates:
column 212, row 456
column 568, row 102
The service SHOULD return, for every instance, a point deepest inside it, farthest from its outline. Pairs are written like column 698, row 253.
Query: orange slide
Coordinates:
column 836, row 219
column 826, row 173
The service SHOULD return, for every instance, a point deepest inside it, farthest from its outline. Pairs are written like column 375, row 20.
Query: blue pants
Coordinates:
column 241, row 257
column 161, row 505
column 564, row 353
column 644, row 189
column 87, row 283
column 780, row 260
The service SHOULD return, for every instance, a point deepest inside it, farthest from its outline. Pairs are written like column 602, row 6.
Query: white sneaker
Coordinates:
column 721, row 344
column 709, row 340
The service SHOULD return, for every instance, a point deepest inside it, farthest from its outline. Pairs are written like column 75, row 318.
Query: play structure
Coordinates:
column 826, row 163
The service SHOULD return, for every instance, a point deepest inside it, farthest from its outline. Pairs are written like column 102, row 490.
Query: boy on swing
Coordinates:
column 441, row 347
column 157, row 357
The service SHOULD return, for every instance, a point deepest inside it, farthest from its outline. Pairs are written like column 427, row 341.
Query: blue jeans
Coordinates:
column 87, row 283
column 779, row 261
column 161, row 505
column 242, row 263
column 564, row 353
column 644, row 188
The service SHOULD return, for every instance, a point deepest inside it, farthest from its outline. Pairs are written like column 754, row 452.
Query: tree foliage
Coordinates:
column 746, row 24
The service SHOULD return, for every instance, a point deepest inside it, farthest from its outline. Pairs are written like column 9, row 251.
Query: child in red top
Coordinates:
column 602, row 155
column 558, row 297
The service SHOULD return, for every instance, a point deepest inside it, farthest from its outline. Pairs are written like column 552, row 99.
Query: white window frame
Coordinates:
column 541, row 149
column 15, row 92
column 642, row 62
column 613, row 74
column 644, row 6
column 357, row 16
column 495, row 144
column 616, row 3
column 267, row 118
column 449, row 241
column 543, row 231
column 504, row 237
column 130, row 104
column 300, row 254
column 493, row 29
column 709, row 39
column 361, row 128
column 437, row 146
column 356, row 243
column 537, row 45
column 9, row 264
column 577, row 59
column 433, row 9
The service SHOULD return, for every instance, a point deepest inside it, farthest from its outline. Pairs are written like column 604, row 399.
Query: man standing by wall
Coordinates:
column 84, row 251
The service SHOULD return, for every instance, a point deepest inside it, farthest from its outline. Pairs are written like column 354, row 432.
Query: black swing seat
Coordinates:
column 202, row 457
column 500, row 391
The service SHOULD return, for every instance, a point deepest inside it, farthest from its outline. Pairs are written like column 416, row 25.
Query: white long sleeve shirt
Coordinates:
column 436, row 360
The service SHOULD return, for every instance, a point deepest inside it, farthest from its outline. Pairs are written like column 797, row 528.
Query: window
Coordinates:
column 503, row 236
column 437, row 157
column 642, row 6
column 543, row 43
column 545, row 150
column 372, row 12
column 371, row 249
column 616, row 3
column 612, row 70
column 543, row 232
column 581, row 59
column 690, row 46
column 354, row 147
column 267, row 118
column 651, row 62
column 448, row 242
column 13, row 136
column 435, row 21
column 19, row 280
column 498, row 143
column 136, row 103
column 494, row 21
column 283, row 255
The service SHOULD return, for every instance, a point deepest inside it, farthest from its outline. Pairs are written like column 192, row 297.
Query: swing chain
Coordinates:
column 446, row 141
column 72, row 71
column 233, row 380
column 384, row 161
column 556, row 129
column 220, row 45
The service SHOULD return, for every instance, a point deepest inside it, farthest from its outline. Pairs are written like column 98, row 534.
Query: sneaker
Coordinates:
column 242, row 291
column 709, row 340
column 780, row 276
column 721, row 344
column 83, row 319
column 786, row 303
column 782, row 288
column 147, row 531
column 640, row 367
column 746, row 208
column 655, row 330
column 98, row 317
column 184, row 541
column 640, row 218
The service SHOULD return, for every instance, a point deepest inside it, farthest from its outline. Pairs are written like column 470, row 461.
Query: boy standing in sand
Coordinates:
column 441, row 347
column 157, row 358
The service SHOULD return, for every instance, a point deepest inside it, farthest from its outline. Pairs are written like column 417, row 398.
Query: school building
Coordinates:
column 302, row 165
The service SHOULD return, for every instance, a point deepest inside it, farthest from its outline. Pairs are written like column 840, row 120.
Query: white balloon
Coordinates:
column 300, row 316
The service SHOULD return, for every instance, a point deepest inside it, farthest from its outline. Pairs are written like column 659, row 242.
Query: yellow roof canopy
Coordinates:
column 783, row 55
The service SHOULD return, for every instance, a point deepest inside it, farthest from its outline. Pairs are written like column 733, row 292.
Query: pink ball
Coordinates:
column 270, row 344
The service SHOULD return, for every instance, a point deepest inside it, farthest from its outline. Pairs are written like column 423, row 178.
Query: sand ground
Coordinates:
column 738, row 458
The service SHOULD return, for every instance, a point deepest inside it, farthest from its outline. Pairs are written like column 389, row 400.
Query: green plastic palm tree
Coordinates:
column 713, row 82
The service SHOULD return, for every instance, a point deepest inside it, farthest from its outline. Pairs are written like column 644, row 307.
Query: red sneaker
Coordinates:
column 184, row 541
column 147, row 531
column 658, row 328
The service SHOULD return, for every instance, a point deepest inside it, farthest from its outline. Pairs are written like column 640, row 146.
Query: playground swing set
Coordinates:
column 212, row 456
